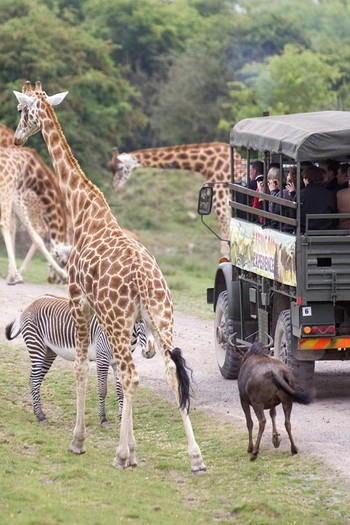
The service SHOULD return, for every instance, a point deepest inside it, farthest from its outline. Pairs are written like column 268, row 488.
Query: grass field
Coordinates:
column 42, row 484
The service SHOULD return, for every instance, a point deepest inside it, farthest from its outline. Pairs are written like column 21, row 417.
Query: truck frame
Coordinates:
column 293, row 289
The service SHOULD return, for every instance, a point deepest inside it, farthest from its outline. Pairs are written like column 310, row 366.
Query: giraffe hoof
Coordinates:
column 117, row 463
column 17, row 279
column 76, row 450
column 201, row 470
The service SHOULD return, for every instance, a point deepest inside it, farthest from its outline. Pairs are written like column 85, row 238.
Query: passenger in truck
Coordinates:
column 317, row 199
column 343, row 205
column 330, row 167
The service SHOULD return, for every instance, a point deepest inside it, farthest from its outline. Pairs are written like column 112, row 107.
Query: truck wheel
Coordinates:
column 228, row 359
column 303, row 370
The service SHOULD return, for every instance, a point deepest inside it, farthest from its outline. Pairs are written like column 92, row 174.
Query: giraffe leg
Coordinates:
column 82, row 316
column 175, row 370
column 28, row 258
column 13, row 276
column 126, row 449
column 24, row 217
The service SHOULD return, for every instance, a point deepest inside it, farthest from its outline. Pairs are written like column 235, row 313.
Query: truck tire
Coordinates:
column 303, row 370
column 228, row 359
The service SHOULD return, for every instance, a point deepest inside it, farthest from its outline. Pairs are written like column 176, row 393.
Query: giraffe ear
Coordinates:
column 54, row 100
column 24, row 99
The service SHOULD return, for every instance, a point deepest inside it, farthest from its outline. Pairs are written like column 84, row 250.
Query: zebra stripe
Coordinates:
column 48, row 330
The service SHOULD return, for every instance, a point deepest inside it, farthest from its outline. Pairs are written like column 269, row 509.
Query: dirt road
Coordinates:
column 322, row 429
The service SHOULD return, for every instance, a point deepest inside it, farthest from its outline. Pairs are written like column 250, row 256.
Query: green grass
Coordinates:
column 43, row 484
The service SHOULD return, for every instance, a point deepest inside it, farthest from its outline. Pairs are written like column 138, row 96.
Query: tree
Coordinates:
column 189, row 103
column 296, row 81
column 99, row 106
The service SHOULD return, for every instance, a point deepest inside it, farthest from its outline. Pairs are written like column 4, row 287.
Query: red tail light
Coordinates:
column 318, row 330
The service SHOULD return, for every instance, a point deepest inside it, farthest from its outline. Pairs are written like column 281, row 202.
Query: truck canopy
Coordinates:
column 302, row 136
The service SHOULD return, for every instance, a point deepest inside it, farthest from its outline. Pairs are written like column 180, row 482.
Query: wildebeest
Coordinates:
column 263, row 383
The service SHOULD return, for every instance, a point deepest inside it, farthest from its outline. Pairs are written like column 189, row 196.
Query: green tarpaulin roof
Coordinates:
column 301, row 136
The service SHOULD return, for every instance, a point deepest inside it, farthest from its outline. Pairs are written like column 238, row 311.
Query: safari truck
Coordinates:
column 290, row 288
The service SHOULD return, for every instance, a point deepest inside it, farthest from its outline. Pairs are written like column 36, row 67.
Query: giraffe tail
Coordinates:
column 184, row 375
column 8, row 331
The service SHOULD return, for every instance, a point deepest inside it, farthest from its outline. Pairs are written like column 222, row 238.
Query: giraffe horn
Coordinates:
column 27, row 87
column 38, row 86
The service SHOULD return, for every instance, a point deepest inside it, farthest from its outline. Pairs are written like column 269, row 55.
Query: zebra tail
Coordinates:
column 8, row 331
column 184, row 375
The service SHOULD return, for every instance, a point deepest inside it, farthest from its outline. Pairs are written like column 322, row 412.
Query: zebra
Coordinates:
column 48, row 330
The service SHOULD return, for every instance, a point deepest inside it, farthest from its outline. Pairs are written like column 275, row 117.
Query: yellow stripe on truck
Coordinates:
column 320, row 343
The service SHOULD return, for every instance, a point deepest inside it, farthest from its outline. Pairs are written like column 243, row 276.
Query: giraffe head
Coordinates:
column 122, row 165
column 60, row 252
column 29, row 103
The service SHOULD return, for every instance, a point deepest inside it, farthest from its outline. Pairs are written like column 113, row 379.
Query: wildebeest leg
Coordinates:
column 275, row 435
column 259, row 411
column 287, row 409
column 249, row 421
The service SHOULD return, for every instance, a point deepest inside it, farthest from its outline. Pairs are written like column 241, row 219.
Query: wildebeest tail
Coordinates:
column 184, row 376
column 304, row 397
column 8, row 331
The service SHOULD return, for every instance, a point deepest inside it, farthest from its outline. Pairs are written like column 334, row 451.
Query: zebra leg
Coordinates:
column 41, row 364
column 102, row 375
column 119, row 389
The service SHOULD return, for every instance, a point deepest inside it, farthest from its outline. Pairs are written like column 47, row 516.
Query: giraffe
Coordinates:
column 6, row 136
column 29, row 190
column 111, row 275
column 212, row 160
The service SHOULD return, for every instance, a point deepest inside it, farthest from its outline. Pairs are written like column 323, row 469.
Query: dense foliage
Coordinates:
column 154, row 72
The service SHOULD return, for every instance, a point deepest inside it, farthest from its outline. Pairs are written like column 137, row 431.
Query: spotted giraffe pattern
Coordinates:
column 6, row 136
column 211, row 160
column 29, row 190
column 110, row 274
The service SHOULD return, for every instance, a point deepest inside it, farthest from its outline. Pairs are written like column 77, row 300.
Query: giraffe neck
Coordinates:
column 78, row 191
column 6, row 136
column 212, row 160
column 46, row 186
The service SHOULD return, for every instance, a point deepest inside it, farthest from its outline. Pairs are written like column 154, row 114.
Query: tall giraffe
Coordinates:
column 212, row 160
column 29, row 190
column 110, row 274
column 6, row 136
